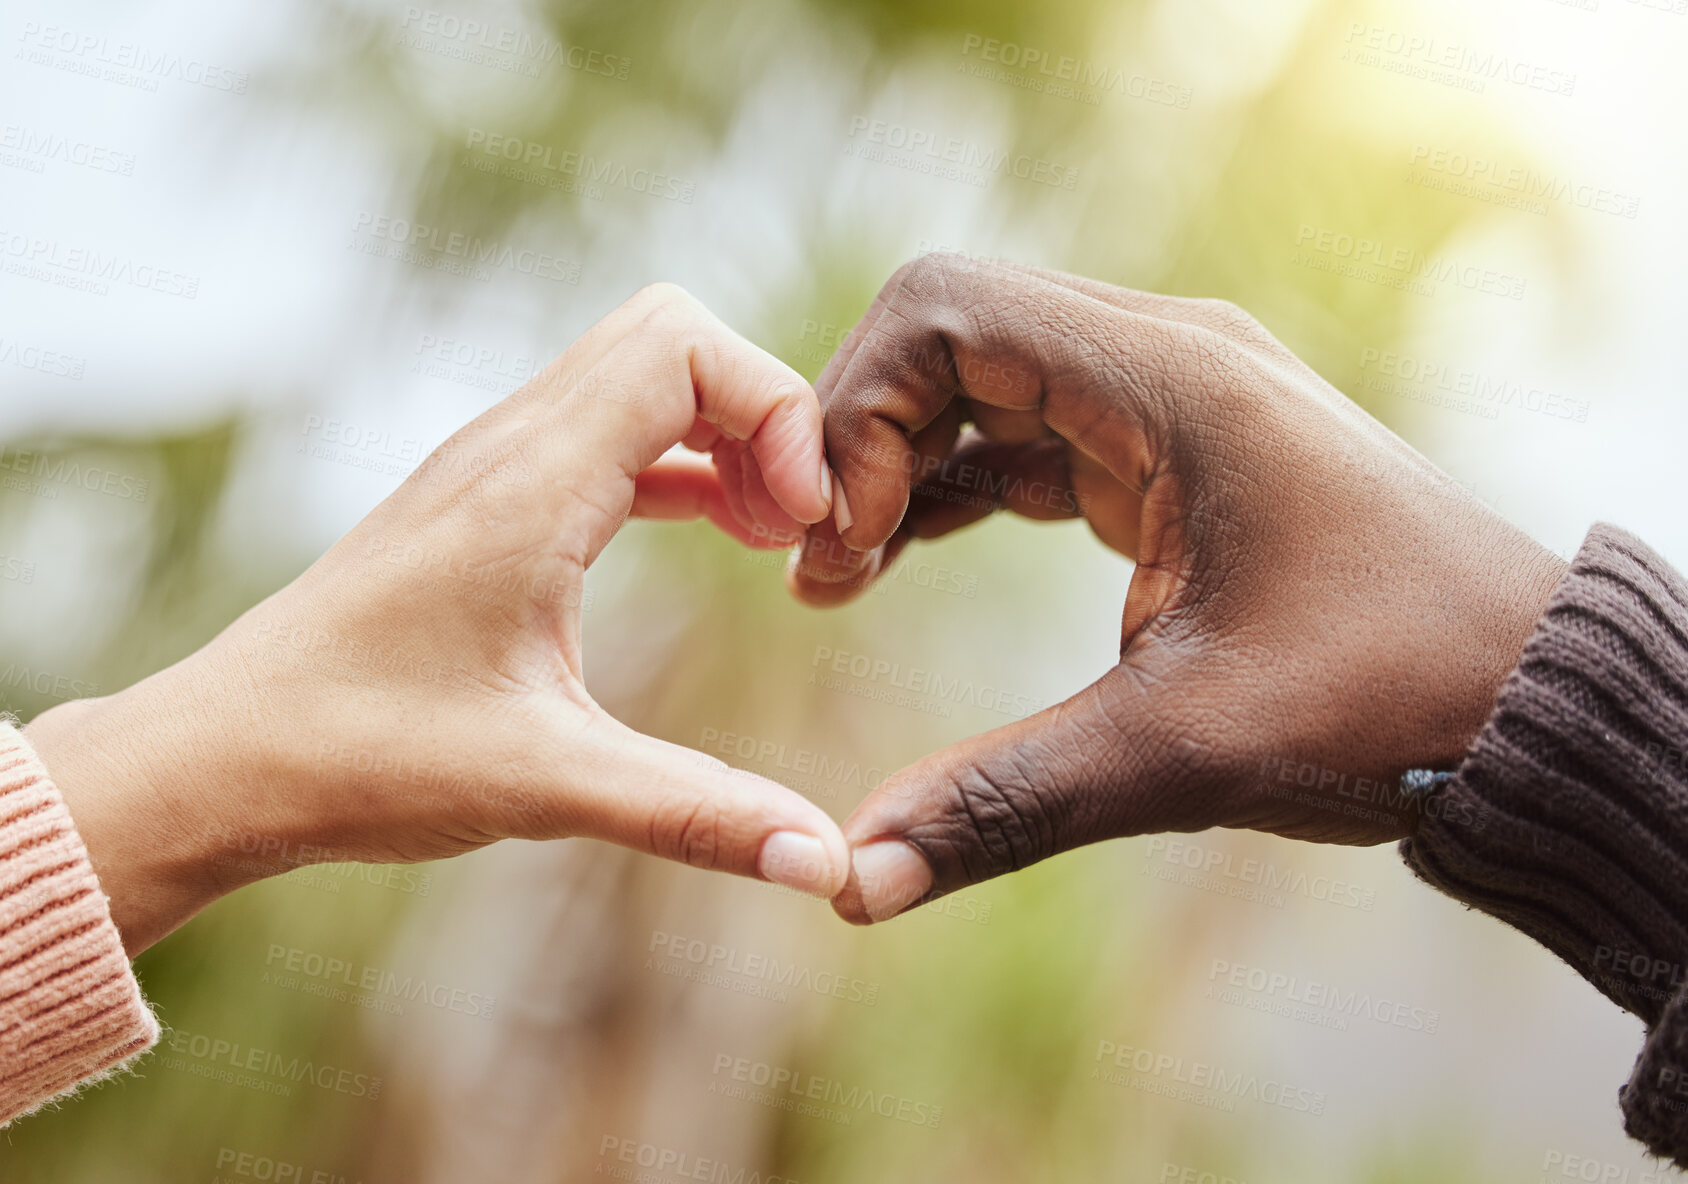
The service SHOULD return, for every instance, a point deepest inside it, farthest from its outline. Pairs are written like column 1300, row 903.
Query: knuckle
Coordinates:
column 782, row 389
column 925, row 268
column 1224, row 312
column 663, row 292
column 848, row 417
column 689, row 831
column 1231, row 321
column 932, row 276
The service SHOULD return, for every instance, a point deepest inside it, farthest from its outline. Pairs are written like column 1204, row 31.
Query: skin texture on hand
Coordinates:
column 420, row 691
column 1315, row 607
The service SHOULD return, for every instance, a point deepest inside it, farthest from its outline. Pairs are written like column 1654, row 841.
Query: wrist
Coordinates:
column 152, row 791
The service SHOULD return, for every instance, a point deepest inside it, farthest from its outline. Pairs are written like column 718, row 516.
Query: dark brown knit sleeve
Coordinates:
column 1569, row 816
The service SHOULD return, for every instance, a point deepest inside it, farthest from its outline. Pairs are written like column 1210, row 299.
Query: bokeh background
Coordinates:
column 293, row 354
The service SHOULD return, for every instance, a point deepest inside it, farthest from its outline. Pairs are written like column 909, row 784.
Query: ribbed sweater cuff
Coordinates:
column 1580, row 787
column 70, row 1008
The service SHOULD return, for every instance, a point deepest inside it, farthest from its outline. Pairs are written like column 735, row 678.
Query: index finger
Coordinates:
column 679, row 365
column 660, row 370
column 1003, row 337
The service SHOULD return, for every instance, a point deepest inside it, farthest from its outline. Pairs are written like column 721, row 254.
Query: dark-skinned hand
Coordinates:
column 1315, row 608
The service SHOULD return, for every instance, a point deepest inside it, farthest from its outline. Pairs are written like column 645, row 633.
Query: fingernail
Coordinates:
column 840, row 505
column 890, row 875
column 827, row 483
column 797, row 861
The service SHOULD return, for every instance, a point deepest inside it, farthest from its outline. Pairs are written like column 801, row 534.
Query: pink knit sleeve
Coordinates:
column 70, row 1008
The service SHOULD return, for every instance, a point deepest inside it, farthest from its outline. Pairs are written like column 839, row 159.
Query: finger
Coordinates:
column 660, row 798
column 983, row 476
column 828, row 571
column 729, row 462
column 751, row 395
column 764, row 508
column 1091, row 768
column 1217, row 315
column 1096, row 373
column 972, row 482
column 702, row 437
column 680, row 488
column 858, row 573
column 999, row 423
column 678, row 365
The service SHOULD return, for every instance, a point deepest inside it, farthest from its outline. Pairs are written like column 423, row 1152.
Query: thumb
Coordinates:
column 667, row 800
column 1075, row 773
